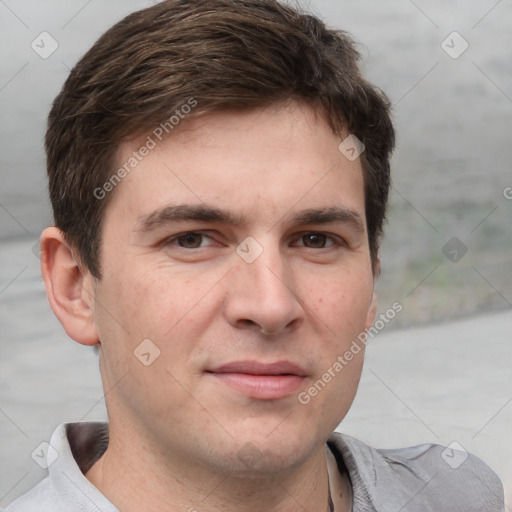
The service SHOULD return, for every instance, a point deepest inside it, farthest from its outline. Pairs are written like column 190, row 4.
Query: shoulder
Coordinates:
column 76, row 446
column 420, row 478
column 38, row 499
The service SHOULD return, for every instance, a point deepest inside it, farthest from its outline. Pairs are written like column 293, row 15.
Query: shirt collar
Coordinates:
column 72, row 489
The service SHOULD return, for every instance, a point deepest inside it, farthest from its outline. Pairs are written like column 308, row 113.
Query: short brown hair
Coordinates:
column 224, row 54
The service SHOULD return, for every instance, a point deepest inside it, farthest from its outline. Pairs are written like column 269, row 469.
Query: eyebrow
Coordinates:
column 327, row 215
column 184, row 212
column 207, row 213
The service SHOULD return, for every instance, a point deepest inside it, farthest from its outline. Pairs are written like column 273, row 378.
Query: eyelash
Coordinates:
column 334, row 239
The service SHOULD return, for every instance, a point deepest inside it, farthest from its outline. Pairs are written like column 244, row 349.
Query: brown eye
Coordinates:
column 190, row 240
column 314, row 240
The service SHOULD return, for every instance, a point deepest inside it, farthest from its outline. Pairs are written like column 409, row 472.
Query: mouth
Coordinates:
column 264, row 381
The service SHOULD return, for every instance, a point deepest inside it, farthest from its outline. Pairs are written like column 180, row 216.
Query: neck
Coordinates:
column 154, row 482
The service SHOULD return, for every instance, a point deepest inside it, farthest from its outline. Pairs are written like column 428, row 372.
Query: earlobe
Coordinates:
column 70, row 288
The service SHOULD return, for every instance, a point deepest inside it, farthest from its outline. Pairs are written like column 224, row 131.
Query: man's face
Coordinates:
column 238, row 246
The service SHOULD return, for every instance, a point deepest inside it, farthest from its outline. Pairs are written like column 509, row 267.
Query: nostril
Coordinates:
column 247, row 322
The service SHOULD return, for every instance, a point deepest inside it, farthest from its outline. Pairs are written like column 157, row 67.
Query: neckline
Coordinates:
column 330, row 503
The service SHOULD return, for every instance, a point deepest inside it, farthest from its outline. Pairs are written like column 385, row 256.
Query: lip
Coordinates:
column 264, row 381
column 258, row 368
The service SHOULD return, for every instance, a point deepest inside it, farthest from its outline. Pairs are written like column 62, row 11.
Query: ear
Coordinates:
column 372, row 311
column 70, row 288
column 372, row 308
column 376, row 269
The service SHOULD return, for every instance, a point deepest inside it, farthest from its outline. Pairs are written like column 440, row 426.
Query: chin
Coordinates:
column 275, row 454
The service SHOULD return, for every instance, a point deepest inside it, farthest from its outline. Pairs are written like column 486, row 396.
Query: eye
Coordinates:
column 316, row 240
column 190, row 240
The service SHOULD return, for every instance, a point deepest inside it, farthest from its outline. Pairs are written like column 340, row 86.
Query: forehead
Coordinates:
column 262, row 164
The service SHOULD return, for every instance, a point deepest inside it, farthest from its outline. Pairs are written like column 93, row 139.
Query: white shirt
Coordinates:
column 421, row 478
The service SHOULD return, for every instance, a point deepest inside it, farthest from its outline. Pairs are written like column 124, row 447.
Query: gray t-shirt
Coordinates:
column 424, row 478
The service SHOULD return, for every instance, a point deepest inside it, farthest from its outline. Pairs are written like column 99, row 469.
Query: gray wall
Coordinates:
column 453, row 117
column 451, row 169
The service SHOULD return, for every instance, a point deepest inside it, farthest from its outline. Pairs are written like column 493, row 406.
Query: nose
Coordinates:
column 262, row 296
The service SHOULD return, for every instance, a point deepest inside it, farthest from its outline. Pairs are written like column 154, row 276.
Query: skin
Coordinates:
column 177, row 432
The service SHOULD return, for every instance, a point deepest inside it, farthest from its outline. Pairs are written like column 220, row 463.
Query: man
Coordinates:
column 219, row 174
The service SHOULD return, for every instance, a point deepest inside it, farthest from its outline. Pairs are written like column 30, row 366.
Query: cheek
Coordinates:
column 129, row 306
column 341, row 302
column 145, row 300
column 165, row 305
column 138, row 308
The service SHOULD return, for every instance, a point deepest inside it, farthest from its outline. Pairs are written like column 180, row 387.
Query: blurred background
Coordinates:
column 441, row 370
